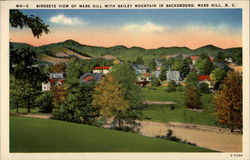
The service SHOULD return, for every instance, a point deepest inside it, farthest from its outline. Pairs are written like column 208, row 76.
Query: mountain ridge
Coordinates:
column 74, row 48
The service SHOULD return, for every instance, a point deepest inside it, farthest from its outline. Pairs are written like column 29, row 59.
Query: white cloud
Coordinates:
column 61, row 19
column 219, row 29
column 147, row 27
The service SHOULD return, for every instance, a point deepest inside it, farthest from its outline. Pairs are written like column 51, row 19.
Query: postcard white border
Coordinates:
column 6, row 5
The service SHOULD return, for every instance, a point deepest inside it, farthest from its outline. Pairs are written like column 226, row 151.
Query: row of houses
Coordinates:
column 143, row 74
column 57, row 79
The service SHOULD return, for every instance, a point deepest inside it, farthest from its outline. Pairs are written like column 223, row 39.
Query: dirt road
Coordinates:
column 43, row 116
column 204, row 136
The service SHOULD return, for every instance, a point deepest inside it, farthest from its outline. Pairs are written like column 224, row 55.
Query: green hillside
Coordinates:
column 209, row 49
column 73, row 48
column 43, row 135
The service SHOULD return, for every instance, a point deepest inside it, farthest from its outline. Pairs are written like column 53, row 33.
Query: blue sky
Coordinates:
column 231, row 17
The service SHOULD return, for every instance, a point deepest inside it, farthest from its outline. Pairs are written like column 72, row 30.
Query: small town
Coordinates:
column 68, row 96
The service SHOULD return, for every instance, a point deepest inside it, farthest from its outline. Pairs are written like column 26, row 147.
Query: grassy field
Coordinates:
column 160, row 94
column 163, row 113
column 43, row 135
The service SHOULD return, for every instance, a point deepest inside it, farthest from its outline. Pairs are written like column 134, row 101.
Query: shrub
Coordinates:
column 155, row 82
column 179, row 88
column 169, row 136
column 203, row 88
column 171, row 86
column 192, row 99
column 44, row 102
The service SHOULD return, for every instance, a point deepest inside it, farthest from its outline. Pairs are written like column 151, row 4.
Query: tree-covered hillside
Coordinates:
column 69, row 48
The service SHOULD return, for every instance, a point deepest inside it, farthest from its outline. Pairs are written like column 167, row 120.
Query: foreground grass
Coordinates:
column 163, row 113
column 43, row 135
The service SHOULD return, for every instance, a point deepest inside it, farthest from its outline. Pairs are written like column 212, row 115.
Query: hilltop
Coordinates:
column 63, row 51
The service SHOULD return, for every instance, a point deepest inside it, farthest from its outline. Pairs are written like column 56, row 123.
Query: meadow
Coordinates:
column 44, row 135
column 178, row 112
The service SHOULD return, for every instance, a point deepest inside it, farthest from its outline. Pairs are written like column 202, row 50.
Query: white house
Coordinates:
column 46, row 86
column 56, row 76
column 173, row 75
column 103, row 69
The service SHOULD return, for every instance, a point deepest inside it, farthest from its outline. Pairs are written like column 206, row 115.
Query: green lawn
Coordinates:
column 43, row 135
column 160, row 94
column 163, row 113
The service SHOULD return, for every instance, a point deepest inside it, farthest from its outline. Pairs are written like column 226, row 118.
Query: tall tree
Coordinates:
column 204, row 66
column 204, row 88
column 58, row 96
column 192, row 97
column 228, row 101
column 181, row 66
column 78, row 106
column 22, row 94
column 188, row 60
column 37, row 26
column 152, row 65
column 192, row 78
column 204, row 56
column 162, row 75
column 219, row 57
column 24, row 60
column 155, row 82
column 73, row 72
column 132, row 93
column 217, row 76
column 237, row 58
column 109, row 99
column 45, row 102
column 23, row 64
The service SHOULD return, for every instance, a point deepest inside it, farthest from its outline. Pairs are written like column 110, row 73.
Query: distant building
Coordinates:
column 103, row 69
column 144, row 77
column 156, row 73
column 56, row 79
column 173, row 75
column 90, row 77
column 139, row 68
column 56, row 75
column 194, row 59
column 205, row 79
column 46, row 86
column 229, row 60
column 158, row 65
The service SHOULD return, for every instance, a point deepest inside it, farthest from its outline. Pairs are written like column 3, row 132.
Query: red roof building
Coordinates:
column 195, row 58
column 203, row 78
column 101, row 68
column 88, row 78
